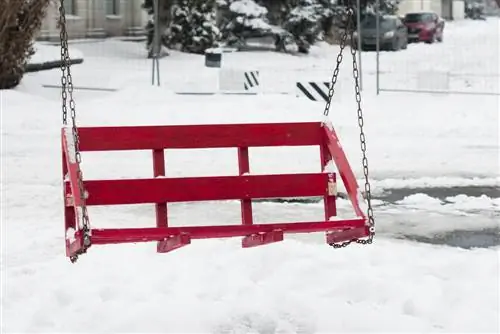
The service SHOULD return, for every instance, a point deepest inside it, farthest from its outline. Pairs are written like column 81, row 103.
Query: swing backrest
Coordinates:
column 242, row 136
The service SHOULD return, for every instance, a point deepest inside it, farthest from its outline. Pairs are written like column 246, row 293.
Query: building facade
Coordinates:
column 447, row 9
column 96, row 19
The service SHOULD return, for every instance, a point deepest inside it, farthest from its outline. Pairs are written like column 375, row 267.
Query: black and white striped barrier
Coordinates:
column 315, row 91
column 251, row 80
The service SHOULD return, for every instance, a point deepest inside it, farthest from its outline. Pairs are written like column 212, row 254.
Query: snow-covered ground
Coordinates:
column 299, row 285
column 47, row 53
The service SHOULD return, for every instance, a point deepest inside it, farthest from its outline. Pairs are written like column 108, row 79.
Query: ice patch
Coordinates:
column 420, row 200
column 464, row 202
column 436, row 182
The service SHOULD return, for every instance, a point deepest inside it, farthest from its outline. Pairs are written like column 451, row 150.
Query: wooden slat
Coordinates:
column 125, row 235
column 72, row 170
column 345, row 171
column 199, row 136
column 159, row 190
column 246, row 204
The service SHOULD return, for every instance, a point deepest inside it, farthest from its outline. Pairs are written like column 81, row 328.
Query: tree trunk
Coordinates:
column 20, row 20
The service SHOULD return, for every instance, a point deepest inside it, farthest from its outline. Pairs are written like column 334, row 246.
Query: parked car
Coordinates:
column 424, row 27
column 392, row 33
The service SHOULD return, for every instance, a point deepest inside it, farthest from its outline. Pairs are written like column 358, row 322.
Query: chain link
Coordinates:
column 355, row 73
column 340, row 56
column 67, row 91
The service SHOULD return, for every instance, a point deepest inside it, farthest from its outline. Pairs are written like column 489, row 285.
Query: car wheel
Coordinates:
column 405, row 44
column 395, row 45
column 432, row 39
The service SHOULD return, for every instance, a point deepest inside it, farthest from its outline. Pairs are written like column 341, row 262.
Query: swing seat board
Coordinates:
column 127, row 235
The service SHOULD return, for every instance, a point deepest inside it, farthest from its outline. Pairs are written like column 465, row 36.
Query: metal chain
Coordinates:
column 355, row 72
column 67, row 89
column 343, row 43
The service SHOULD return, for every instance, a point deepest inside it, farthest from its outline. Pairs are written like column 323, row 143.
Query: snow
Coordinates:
column 307, row 13
column 299, row 285
column 250, row 14
column 70, row 141
column 247, row 8
column 434, row 182
column 70, row 234
column 45, row 53
column 214, row 50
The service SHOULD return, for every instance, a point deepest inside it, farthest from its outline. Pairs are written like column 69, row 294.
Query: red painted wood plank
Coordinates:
column 347, row 235
column 72, row 170
column 159, row 170
column 173, row 243
column 161, row 208
column 132, row 235
column 261, row 239
column 344, row 169
column 199, row 136
column 329, row 203
column 74, row 247
column 69, row 211
column 190, row 189
column 246, row 204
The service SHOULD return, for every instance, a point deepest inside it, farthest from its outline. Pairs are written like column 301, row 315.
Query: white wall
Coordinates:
column 458, row 9
column 448, row 9
column 407, row 6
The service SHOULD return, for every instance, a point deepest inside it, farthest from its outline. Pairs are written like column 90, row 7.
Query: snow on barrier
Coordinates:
column 238, row 81
column 315, row 91
column 220, row 81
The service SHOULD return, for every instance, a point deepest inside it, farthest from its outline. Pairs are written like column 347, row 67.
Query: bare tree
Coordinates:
column 20, row 20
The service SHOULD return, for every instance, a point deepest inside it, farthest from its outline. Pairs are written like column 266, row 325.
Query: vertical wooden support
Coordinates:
column 258, row 239
column 69, row 211
column 175, row 241
column 244, row 167
column 329, row 199
column 160, row 208
column 159, row 170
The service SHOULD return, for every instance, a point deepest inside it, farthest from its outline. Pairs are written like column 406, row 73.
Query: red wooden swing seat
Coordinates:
column 244, row 187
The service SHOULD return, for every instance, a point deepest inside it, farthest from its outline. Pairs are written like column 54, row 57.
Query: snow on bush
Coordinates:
column 243, row 18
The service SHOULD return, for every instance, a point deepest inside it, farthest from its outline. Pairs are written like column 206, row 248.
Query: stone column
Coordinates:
column 133, row 14
column 49, row 30
column 96, row 18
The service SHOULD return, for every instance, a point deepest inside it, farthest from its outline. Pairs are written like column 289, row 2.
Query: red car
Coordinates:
column 424, row 27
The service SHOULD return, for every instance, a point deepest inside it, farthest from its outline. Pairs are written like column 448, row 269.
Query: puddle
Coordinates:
column 485, row 238
column 455, row 228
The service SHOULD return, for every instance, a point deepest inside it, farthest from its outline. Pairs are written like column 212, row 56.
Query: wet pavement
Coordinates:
column 466, row 228
column 485, row 238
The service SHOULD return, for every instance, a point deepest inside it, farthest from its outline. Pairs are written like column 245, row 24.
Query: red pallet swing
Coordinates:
column 80, row 194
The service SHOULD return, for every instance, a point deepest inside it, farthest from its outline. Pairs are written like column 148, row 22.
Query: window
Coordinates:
column 370, row 22
column 419, row 17
column 70, row 7
column 112, row 7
